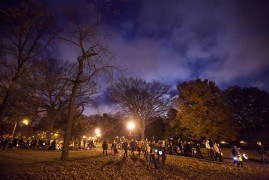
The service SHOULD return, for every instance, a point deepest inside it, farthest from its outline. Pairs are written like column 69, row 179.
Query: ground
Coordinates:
column 92, row 164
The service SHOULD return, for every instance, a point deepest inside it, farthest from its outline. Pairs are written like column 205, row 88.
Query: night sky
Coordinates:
column 172, row 41
column 175, row 40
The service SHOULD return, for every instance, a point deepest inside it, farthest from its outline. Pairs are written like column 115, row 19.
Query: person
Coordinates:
column 105, row 146
column 240, row 160
column 193, row 149
column 125, row 148
column 114, row 147
column 235, row 153
column 33, row 143
column 147, row 154
column 132, row 146
column 198, row 150
column 207, row 146
column 169, row 147
column 261, row 152
column 139, row 148
column 91, row 144
column 53, row 145
column 163, row 155
column 180, row 147
column 217, row 152
column 14, row 142
column 153, row 158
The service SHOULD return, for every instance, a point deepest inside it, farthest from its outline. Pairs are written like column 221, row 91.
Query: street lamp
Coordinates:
column 97, row 132
column 24, row 121
column 131, row 126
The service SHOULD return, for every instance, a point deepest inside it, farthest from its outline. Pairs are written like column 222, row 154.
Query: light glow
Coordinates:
column 97, row 131
column 26, row 122
column 131, row 125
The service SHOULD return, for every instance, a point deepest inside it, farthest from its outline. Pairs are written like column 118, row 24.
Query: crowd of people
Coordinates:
column 9, row 142
column 184, row 148
column 153, row 151
column 33, row 143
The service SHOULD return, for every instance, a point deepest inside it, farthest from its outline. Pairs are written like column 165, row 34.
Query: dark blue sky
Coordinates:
column 172, row 40
column 178, row 40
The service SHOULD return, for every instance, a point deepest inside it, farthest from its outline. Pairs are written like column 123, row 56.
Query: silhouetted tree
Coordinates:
column 143, row 100
column 24, row 36
column 82, row 34
column 50, row 84
column 251, row 111
column 155, row 129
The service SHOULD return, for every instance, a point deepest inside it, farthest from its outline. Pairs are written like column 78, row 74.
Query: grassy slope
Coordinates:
column 92, row 164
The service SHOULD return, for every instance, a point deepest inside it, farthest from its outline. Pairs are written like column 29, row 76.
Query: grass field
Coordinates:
column 91, row 164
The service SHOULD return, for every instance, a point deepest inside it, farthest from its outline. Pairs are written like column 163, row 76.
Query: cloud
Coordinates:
column 149, row 59
column 102, row 109
column 177, row 40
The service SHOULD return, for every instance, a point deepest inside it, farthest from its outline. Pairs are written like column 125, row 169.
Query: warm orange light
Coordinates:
column 26, row 122
column 97, row 131
column 131, row 125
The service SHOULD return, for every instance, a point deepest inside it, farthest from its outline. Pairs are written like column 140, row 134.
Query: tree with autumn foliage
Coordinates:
column 202, row 112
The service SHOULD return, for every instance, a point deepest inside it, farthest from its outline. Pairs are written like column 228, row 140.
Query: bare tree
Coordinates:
column 90, row 64
column 24, row 37
column 141, row 99
column 50, row 84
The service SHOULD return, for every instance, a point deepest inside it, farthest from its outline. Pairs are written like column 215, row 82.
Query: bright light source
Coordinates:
column 26, row 122
column 243, row 142
column 259, row 143
column 223, row 142
column 97, row 131
column 245, row 156
column 84, row 137
column 131, row 125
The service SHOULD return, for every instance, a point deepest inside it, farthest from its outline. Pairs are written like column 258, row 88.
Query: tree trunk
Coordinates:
column 71, row 110
column 142, row 129
column 9, row 92
column 3, row 105
column 51, row 119
column 67, row 134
